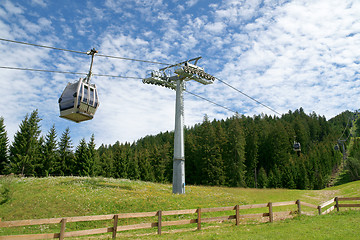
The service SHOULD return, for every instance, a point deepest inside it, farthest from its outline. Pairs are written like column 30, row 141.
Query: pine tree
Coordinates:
column 146, row 169
column 302, row 181
column 38, row 165
column 133, row 167
column 93, row 156
column 49, row 152
column 4, row 141
column 274, row 178
column 158, row 162
column 83, row 163
column 251, row 153
column 271, row 183
column 65, row 164
column 192, row 165
column 212, row 163
column 120, row 160
column 106, row 163
column 262, row 178
column 235, row 155
column 287, row 178
column 25, row 149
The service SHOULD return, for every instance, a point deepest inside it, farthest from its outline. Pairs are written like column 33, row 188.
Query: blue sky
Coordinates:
column 286, row 54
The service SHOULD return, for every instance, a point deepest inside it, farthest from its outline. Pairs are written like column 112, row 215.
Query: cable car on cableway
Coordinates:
column 79, row 101
column 297, row 146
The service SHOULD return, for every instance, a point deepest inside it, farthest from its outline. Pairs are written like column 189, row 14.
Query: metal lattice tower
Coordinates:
column 184, row 71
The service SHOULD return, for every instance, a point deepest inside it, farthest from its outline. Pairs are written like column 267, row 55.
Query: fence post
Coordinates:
column 199, row 219
column 271, row 216
column 337, row 203
column 62, row 230
column 319, row 209
column 237, row 215
column 116, row 218
column 299, row 207
column 159, row 222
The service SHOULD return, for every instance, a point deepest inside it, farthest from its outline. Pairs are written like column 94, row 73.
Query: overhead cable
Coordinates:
column 249, row 96
column 73, row 51
column 347, row 124
column 131, row 59
column 211, row 101
column 64, row 72
column 104, row 75
column 42, row 46
column 122, row 58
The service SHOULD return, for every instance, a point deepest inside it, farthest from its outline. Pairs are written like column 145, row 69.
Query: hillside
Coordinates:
column 28, row 198
column 51, row 197
column 239, row 151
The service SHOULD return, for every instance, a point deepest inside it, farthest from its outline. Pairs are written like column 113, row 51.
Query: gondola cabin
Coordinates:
column 79, row 101
column 297, row 147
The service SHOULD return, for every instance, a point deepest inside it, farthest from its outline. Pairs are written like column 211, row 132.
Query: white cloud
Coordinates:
column 11, row 8
column 41, row 3
column 300, row 45
column 215, row 28
column 286, row 54
column 191, row 3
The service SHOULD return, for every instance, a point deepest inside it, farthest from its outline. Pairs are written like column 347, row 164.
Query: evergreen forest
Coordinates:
column 240, row 151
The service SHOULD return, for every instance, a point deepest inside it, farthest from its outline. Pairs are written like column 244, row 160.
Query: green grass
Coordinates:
column 51, row 197
column 343, row 225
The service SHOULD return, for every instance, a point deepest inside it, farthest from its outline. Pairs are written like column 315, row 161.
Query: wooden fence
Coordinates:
column 337, row 205
column 160, row 223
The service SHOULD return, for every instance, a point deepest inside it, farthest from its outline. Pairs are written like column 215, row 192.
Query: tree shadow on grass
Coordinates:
column 97, row 183
column 5, row 192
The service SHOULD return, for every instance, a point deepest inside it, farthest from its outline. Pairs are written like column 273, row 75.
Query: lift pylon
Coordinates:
column 184, row 71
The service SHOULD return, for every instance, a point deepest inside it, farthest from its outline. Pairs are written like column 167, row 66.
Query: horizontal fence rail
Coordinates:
column 334, row 204
column 160, row 223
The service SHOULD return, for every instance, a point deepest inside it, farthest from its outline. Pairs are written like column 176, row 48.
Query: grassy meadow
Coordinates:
column 52, row 197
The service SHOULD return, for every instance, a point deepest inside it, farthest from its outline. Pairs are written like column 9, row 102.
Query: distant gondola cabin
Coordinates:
column 79, row 101
column 297, row 147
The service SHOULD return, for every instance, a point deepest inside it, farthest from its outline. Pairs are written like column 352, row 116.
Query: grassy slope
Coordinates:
column 343, row 225
column 32, row 198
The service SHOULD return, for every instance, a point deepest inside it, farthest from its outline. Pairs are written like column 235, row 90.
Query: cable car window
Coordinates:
column 86, row 92
column 91, row 102
column 80, row 93
column 96, row 99
column 67, row 99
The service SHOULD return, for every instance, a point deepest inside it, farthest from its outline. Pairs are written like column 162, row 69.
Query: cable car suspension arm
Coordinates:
column 92, row 52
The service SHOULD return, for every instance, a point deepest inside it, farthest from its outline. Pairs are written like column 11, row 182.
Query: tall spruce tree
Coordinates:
column 235, row 155
column 251, row 154
column 25, row 149
column 120, row 160
column 93, row 156
column 4, row 141
column 65, row 164
column 83, row 164
column 106, row 162
column 262, row 180
column 49, row 152
column 133, row 169
column 212, row 164
column 146, row 169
